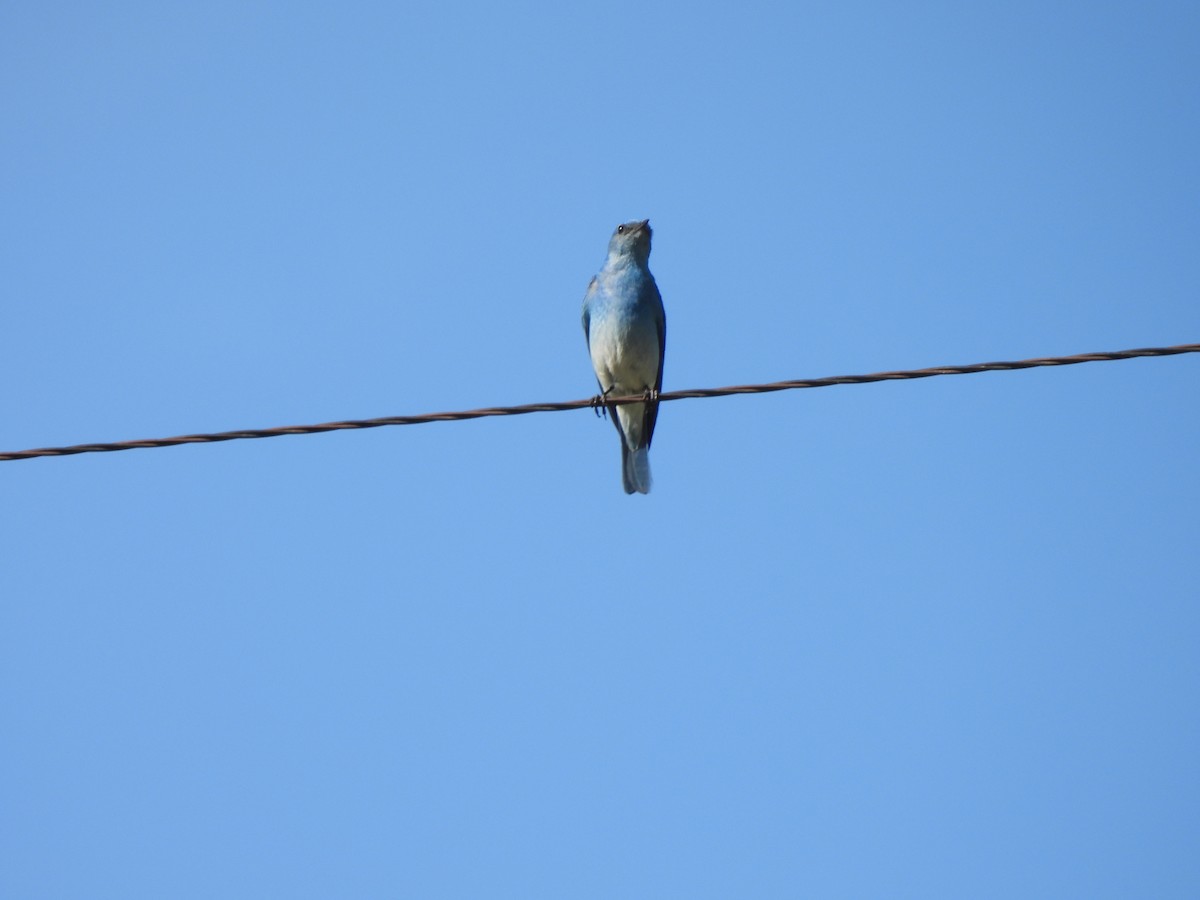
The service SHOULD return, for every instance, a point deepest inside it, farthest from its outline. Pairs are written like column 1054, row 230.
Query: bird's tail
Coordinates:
column 635, row 469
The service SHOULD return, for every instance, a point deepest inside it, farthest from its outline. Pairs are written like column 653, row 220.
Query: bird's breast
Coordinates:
column 625, row 351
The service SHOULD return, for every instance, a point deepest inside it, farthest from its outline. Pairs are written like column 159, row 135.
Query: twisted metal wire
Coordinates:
column 902, row 375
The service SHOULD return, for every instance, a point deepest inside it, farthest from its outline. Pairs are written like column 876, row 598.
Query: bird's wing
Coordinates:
column 587, row 313
column 662, row 349
column 652, row 408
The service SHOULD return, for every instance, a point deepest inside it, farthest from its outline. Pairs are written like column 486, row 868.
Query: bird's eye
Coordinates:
column 620, row 229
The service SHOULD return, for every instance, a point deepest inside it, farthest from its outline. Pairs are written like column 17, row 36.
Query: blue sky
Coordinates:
column 932, row 639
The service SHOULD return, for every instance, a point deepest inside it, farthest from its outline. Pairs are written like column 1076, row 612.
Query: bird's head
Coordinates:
column 631, row 239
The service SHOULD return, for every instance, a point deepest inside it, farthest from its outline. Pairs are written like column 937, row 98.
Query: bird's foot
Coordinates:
column 598, row 406
column 651, row 395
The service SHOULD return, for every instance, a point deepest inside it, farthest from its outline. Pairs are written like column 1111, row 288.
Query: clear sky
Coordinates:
column 930, row 639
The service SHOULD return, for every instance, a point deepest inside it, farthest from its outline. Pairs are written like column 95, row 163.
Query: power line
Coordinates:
column 903, row 375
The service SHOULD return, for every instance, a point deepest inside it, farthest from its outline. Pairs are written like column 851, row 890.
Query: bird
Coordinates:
column 626, row 330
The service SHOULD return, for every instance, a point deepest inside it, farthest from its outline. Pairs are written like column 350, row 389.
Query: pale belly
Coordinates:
column 625, row 358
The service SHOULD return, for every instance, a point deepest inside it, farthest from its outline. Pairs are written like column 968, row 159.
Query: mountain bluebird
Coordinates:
column 626, row 331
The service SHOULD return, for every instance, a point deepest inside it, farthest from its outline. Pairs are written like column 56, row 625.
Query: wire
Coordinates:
column 903, row 375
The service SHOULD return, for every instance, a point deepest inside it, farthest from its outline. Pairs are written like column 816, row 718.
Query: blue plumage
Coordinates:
column 626, row 331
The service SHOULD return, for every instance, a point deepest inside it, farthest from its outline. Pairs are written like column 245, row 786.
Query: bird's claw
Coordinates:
column 651, row 395
column 598, row 407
